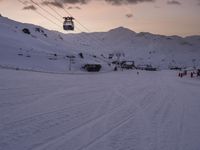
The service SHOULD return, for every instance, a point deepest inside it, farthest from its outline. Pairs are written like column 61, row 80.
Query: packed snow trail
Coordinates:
column 111, row 111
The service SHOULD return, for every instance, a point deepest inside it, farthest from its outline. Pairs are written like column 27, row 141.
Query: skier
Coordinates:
column 115, row 69
column 198, row 72
column 191, row 74
column 185, row 72
column 181, row 75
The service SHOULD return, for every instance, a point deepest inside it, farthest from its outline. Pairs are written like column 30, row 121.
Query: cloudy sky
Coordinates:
column 168, row 17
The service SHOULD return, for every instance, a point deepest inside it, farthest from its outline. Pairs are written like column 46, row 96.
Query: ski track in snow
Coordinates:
column 113, row 111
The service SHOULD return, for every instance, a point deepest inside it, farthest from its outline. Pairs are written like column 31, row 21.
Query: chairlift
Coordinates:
column 68, row 24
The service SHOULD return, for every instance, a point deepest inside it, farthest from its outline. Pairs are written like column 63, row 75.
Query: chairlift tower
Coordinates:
column 118, row 55
column 71, row 61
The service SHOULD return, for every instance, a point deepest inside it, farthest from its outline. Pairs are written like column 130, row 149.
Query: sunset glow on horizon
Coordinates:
column 166, row 17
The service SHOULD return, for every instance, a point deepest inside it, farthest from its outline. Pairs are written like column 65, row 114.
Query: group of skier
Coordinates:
column 192, row 73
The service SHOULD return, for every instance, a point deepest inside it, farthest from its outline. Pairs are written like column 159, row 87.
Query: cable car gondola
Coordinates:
column 68, row 23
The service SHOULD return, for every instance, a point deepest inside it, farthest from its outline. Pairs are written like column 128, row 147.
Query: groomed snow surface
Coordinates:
column 104, row 111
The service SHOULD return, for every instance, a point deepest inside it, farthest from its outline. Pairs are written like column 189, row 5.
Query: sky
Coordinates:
column 165, row 17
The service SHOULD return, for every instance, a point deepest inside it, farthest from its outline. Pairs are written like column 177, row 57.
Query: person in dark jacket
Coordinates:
column 191, row 74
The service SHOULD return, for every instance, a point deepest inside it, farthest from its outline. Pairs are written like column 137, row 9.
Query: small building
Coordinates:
column 146, row 67
column 115, row 63
column 92, row 67
column 127, row 64
column 151, row 69
column 141, row 67
column 176, row 68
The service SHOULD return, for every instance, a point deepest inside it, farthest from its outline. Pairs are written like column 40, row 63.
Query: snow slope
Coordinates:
column 144, row 48
column 99, row 111
column 107, row 111
column 36, row 51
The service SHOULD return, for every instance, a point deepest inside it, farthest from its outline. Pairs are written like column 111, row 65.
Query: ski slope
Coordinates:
column 105, row 111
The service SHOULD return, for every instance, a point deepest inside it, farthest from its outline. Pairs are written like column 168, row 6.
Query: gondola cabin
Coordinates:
column 68, row 24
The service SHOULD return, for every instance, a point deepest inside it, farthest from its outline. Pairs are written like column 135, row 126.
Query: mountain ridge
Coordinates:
column 144, row 48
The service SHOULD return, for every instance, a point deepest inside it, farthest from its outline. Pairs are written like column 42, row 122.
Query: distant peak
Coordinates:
column 121, row 29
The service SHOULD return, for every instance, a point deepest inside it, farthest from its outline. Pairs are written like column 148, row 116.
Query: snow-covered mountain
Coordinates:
column 32, row 47
column 146, row 48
